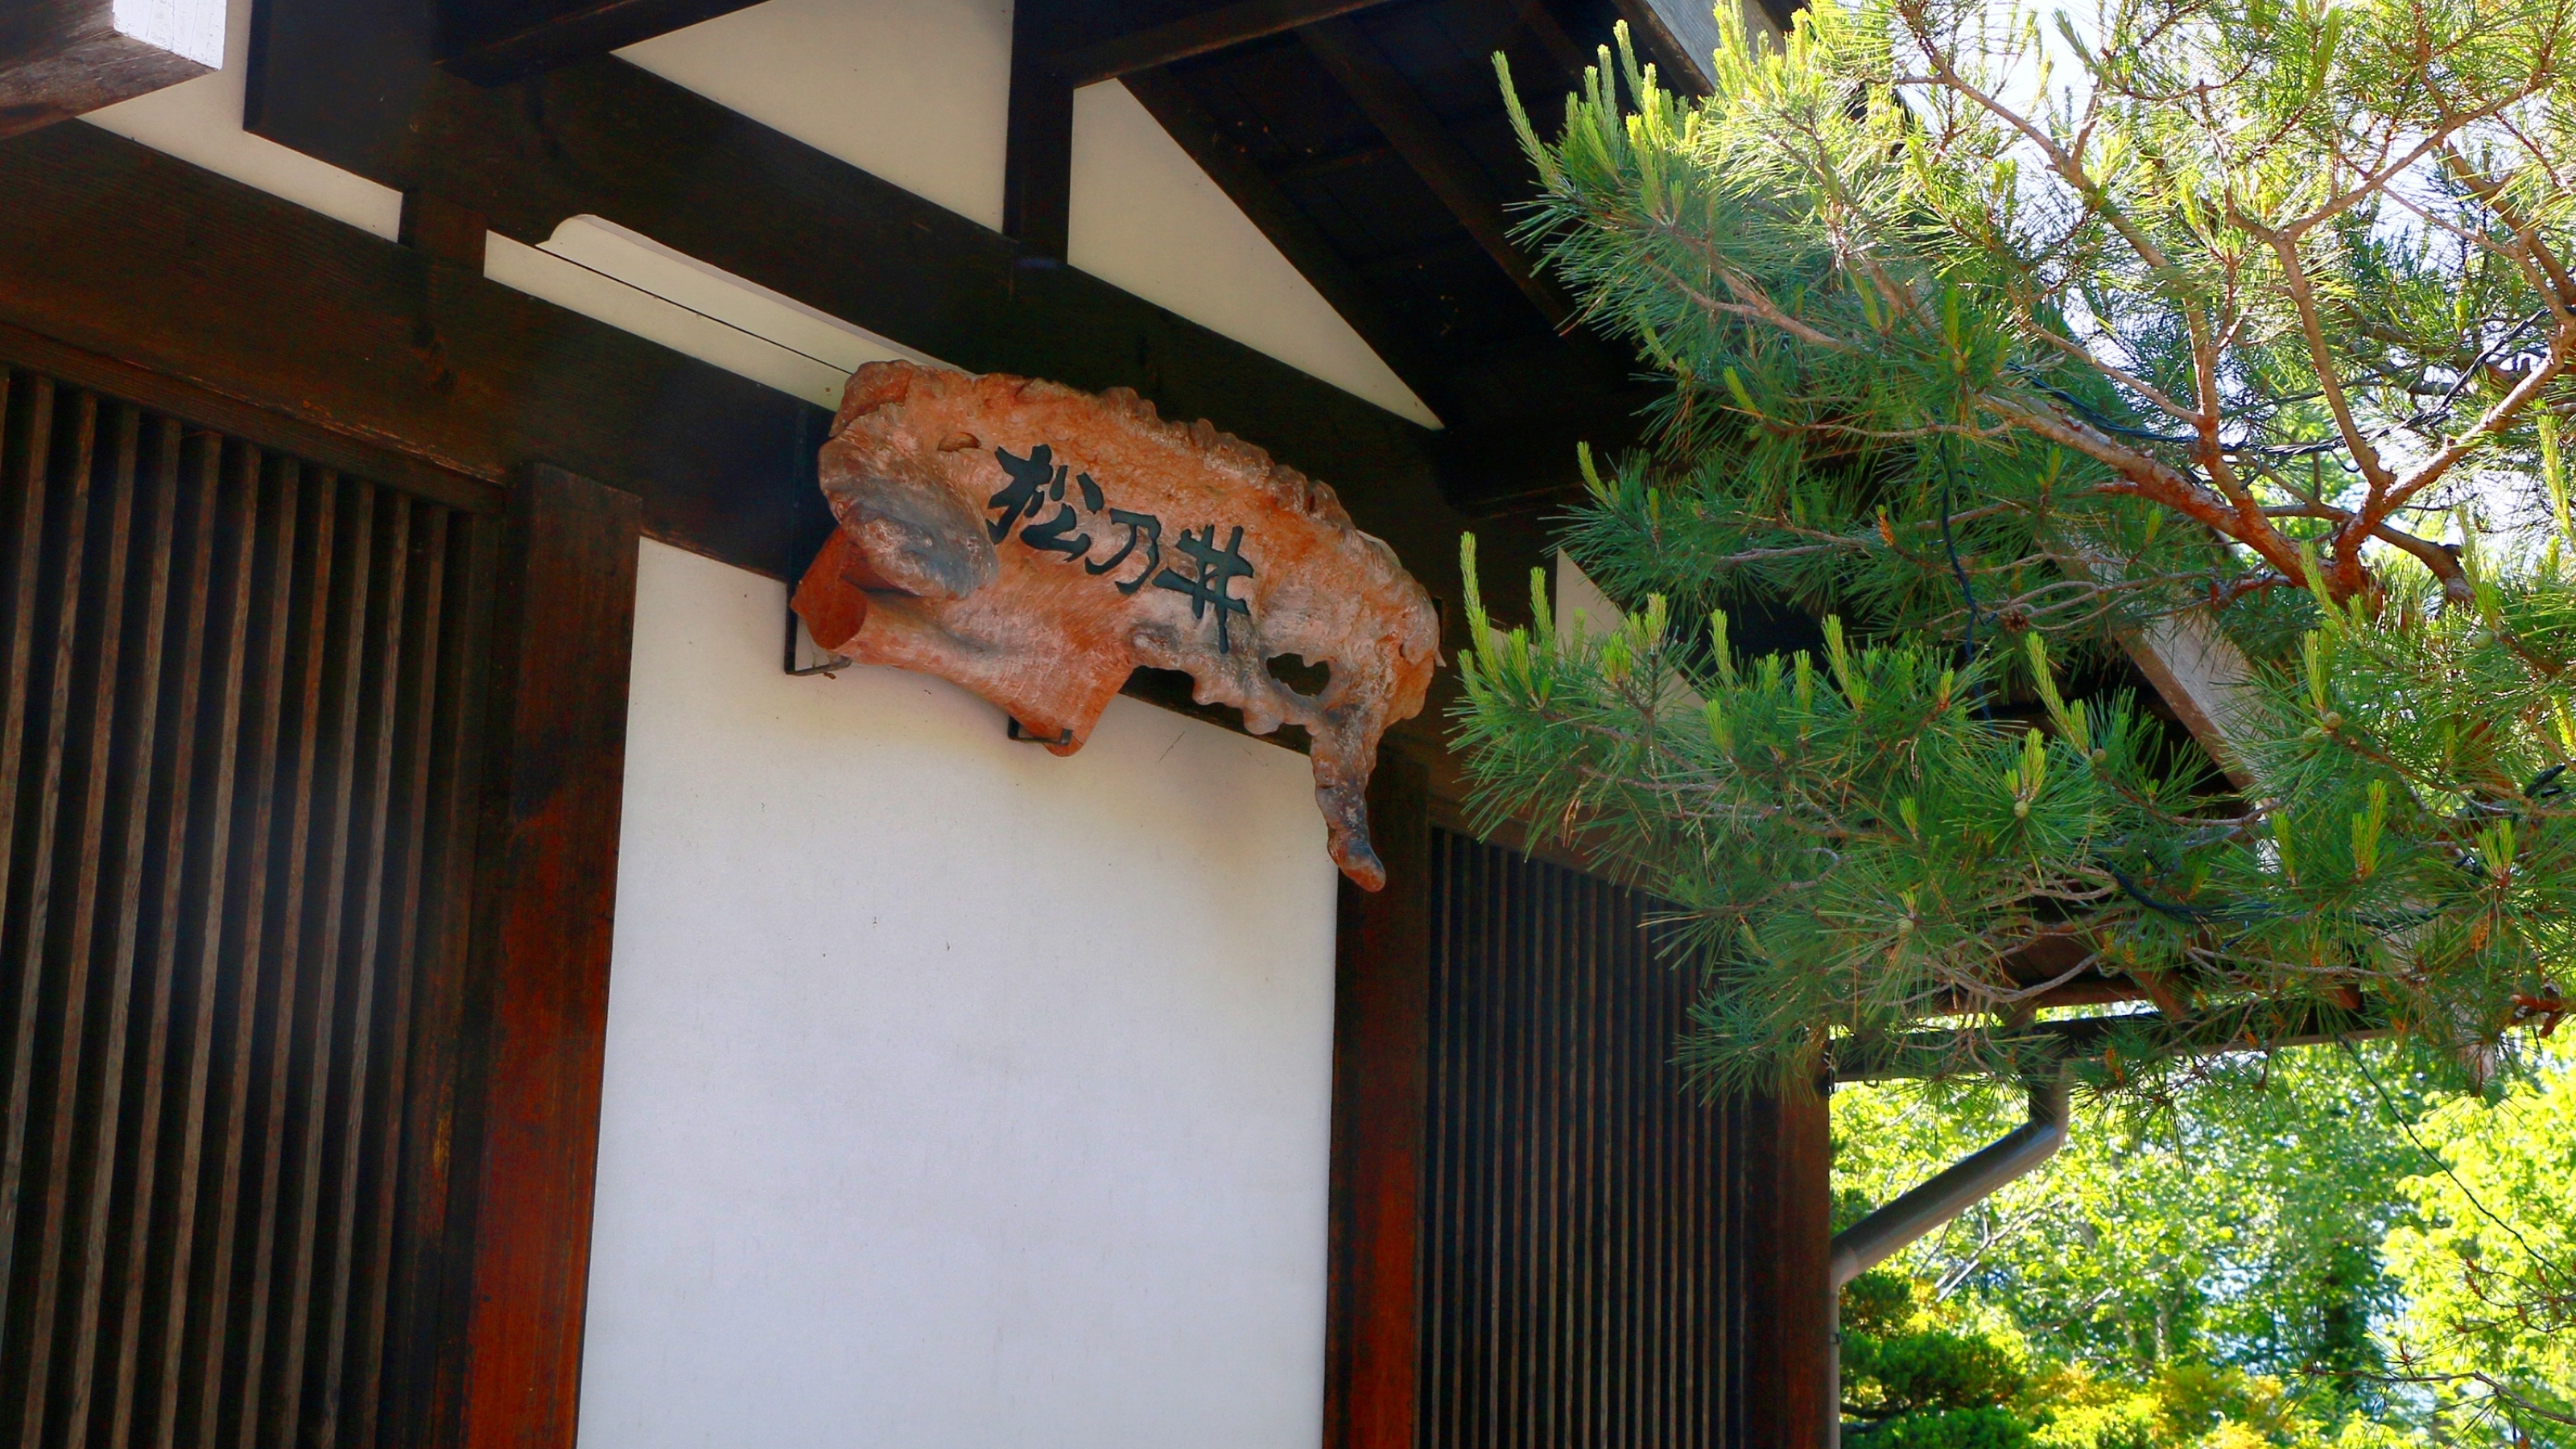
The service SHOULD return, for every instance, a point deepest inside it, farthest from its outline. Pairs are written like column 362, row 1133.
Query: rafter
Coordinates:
column 1195, row 35
column 1398, row 111
column 492, row 42
column 1233, row 169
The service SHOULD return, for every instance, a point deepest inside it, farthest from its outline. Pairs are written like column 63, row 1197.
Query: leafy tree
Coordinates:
column 2488, row 1266
column 2243, row 324
column 2282, row 1260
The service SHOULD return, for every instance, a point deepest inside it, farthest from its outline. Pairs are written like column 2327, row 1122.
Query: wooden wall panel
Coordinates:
column 231, row 768
column 1605, row 1258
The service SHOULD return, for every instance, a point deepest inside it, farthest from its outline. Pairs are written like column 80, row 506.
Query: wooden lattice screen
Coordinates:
column 1589, row 1225
column 233, row 840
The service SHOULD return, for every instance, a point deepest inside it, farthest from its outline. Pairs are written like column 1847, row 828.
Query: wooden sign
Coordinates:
column 1036, row 544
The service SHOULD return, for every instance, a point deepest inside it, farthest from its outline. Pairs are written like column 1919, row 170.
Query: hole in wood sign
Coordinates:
column 1036, row 544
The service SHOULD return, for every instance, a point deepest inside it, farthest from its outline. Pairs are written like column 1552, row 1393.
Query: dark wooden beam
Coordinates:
column 444, row 230
column 536, row 1014
column 119, row 251
column 64, row 58
column 493, row 42
column 1393, row 106
column 1037, row 151
column 1381, row 1103
column 1241, row 178
column 373, row 353
column 339, row 81
column 1541, row 23
column 1193, row 35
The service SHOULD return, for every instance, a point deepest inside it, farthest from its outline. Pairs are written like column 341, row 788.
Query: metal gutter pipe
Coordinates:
column 1883, row 1234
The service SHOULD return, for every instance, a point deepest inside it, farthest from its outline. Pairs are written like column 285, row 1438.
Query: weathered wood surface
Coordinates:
column 536, row 1013
column 63, row 58
column 1037, row 545
column 1381, row 1096
column 120, row 251
column 496, row 41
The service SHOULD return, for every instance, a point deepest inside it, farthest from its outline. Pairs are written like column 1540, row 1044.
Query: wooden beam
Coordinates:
column 64, row 58
column 120, row 251
column 1534, row 17
column 1037, row 148
column 444, row 230
column 492, row 42
column 370, row 348
column 1679, row 36
column 605, row 138
column 1241, row 178
column 1392, row 105
column 537, row 998
column 1193, row 35
column 1381, row 1103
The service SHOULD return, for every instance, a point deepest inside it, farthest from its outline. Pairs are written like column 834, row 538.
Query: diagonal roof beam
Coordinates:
column 1054, row 53
column 1397, row 110
column 493, row 42
column 1240, row 177
column 1195, row 35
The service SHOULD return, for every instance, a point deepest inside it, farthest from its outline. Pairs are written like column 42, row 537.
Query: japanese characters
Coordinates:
column 1036, row 544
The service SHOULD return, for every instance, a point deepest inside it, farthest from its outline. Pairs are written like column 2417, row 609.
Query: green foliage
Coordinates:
column 1986, row 1428
column 2276, row 1264
column 1932, row 1369
column 1993, row 374
column 2488, row 1263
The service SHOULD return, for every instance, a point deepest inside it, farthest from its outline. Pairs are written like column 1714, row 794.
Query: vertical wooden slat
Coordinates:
column 324, row 546
column 27, row 909
column 89, row 851
column 279, row 501
column 369, row 1252
column 22, row 476
column 544, row 905
column 142, row 683
column 385, row 657
column 419, row 1381
column 222, row 918
column 349, row 608
column 170, row 868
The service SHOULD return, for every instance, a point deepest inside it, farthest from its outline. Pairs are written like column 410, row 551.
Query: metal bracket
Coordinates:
column 1017, row 733
column 831, row 664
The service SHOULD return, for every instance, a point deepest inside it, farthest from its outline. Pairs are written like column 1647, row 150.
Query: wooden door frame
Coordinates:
column 535, row 1013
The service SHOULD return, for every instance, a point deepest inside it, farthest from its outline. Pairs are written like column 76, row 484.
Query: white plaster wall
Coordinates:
column 918, row 91
column 957, row 1094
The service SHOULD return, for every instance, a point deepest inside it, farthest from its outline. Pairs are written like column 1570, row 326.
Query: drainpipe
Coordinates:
column 1883, row 1234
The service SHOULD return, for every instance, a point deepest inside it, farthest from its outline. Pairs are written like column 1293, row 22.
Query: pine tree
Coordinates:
column 1997, row 345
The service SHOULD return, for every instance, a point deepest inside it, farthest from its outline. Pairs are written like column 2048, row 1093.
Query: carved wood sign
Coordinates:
column 1036, row 544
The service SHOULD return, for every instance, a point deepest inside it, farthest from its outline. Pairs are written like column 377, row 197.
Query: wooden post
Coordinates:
column 1789, row 1298
column 537, row 1009
column 1037, row 148
column 1381, row 1065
